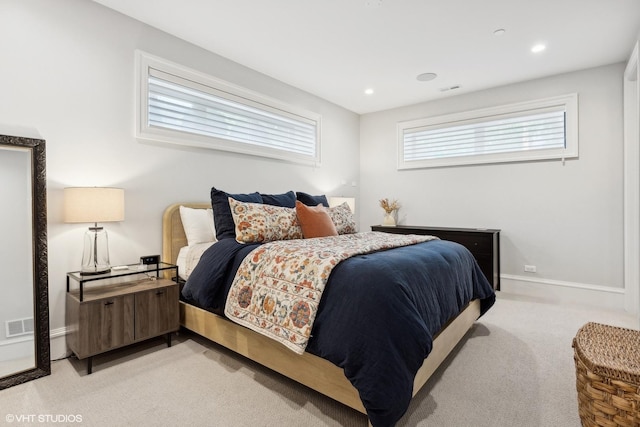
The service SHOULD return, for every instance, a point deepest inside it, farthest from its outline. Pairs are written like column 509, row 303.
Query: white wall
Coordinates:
column 68, row 71
column 567, row 220
column 631, row 121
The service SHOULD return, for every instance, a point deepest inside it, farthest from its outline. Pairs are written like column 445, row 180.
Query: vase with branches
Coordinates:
column 390, row 207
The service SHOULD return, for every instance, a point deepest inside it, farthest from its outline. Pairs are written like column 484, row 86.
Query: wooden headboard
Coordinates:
column 173, row 237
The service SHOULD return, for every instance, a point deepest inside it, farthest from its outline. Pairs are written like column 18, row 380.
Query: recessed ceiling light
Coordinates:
column 425, row 77
column 538, row 48
column 499, row 32
column 368, row 91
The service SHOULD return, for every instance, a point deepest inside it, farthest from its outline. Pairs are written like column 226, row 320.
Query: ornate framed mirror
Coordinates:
column 24, row 297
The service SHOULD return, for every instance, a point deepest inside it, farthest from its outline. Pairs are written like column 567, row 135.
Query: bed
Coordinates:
column 308, row 369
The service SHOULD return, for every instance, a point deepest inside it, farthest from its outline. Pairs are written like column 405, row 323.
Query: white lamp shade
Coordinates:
column 93, row 204
column 337, row 201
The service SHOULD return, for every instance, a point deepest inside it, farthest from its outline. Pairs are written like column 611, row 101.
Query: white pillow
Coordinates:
column 198, row 225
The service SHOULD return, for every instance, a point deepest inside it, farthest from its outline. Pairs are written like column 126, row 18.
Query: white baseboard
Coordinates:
column 18, row 348
column 58, row 341
column 565, row 292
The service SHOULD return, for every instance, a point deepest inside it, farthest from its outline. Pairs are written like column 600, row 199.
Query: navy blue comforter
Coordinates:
column 378, row 315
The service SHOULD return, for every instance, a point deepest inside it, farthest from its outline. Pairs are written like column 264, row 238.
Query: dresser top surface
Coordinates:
column 423, row 227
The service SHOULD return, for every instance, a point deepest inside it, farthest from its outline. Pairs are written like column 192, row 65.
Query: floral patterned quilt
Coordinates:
column 277, row 289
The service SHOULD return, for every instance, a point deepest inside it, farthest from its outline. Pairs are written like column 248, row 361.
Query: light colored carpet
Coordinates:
column 514, row 368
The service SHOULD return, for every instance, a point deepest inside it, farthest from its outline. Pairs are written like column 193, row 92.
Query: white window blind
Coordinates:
column 181, row 106
column 528, row 131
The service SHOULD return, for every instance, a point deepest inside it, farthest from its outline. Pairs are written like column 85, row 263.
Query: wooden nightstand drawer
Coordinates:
column 476, row 243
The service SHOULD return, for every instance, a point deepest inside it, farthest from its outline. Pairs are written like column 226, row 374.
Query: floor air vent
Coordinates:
column 19, row 327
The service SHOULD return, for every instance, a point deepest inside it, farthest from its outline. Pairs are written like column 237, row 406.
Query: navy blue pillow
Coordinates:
column 310, row 200
column 222, row 218
column 285, row 200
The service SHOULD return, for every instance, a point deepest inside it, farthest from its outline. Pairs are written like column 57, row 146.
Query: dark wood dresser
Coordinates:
column 484, row 244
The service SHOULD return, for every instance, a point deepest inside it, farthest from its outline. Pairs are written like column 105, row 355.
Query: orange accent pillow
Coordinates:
column 315, row 221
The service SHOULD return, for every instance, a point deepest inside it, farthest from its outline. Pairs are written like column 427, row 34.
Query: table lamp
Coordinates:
column 94, row 204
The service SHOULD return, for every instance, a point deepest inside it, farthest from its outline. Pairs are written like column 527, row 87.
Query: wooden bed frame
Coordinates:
column 308, row 369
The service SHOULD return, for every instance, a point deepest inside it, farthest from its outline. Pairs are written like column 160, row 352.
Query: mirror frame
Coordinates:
column 42, row 360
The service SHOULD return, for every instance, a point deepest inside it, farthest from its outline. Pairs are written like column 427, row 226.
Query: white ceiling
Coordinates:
column 336, row 49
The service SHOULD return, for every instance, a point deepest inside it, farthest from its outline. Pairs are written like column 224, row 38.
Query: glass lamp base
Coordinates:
column 84, row 272
column 95, row 257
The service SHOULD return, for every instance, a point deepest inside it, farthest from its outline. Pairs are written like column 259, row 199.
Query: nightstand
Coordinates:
column 121, row 307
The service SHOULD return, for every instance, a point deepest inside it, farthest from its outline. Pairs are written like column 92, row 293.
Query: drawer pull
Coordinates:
column 108, row 303
column 159, row 292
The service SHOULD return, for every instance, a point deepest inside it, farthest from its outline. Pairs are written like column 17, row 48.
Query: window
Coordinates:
column 182, row 106
column 536, row 130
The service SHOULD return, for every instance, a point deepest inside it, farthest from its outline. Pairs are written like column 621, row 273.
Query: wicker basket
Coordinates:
column 608, row 375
